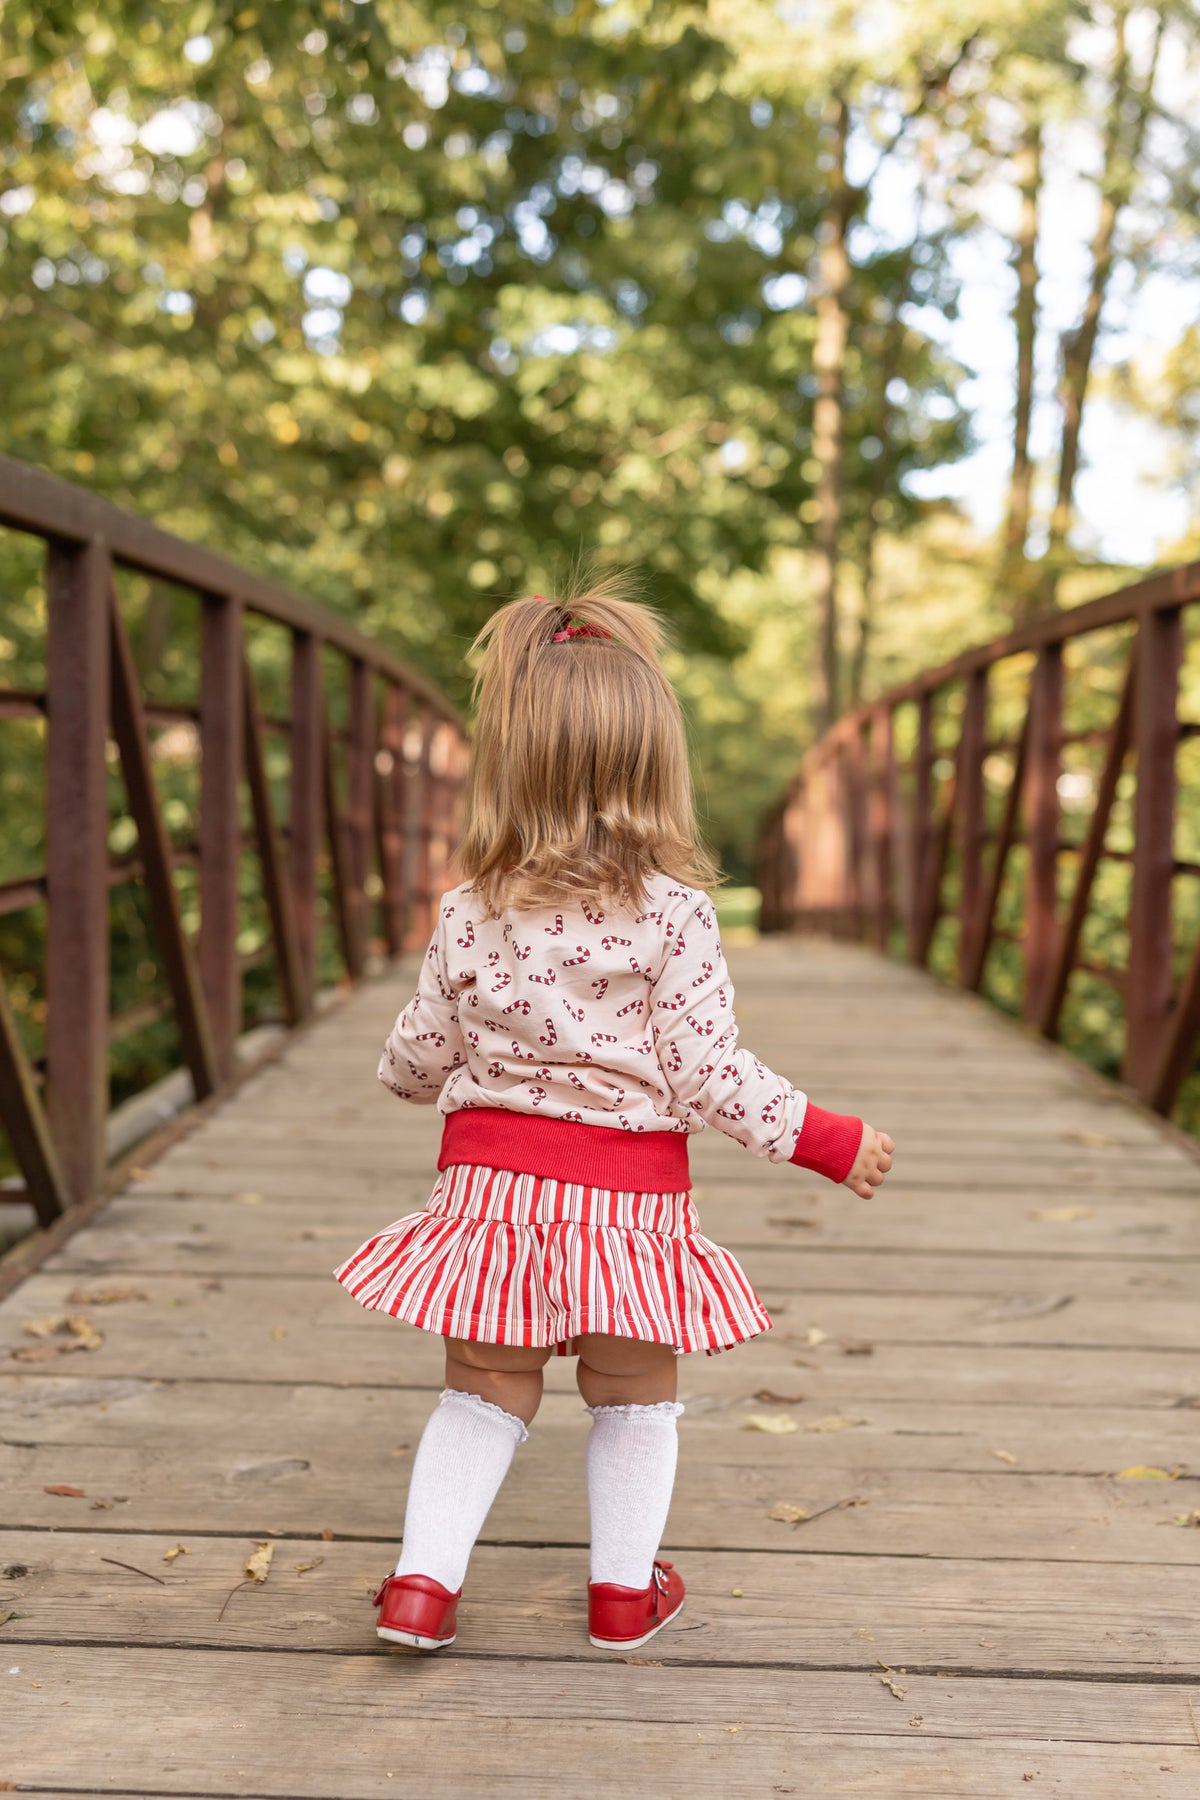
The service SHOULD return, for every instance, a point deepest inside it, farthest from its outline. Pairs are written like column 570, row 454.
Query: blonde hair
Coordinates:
column 579, row 785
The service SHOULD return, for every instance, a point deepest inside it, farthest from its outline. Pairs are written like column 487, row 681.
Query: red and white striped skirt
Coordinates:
column 521, row 1259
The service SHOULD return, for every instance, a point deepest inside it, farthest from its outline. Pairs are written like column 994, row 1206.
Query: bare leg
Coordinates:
column 507, row 1375
column 614, row 1371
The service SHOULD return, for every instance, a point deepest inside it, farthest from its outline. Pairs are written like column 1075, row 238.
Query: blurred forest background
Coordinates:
column 406, row 305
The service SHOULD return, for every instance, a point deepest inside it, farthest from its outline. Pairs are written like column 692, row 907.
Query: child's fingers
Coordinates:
column 887, row 1143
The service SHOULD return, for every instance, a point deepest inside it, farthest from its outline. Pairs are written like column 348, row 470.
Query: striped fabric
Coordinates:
column 522, row 1259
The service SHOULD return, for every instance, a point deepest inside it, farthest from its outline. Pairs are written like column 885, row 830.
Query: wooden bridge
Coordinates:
column 940, row 1527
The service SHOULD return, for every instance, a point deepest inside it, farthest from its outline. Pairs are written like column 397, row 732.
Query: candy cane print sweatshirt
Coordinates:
column 589, row 1044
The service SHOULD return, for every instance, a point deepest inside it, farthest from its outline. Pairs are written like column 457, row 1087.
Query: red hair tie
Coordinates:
column 579, row 629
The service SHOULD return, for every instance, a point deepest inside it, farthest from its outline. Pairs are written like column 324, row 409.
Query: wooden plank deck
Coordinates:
column 971, row 1361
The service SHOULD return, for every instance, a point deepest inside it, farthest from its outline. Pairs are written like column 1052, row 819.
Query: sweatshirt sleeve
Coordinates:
column 426, row 1043
column 696, row 1037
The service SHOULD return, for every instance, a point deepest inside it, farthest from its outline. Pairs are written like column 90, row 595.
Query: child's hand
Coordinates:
column 872, row 1163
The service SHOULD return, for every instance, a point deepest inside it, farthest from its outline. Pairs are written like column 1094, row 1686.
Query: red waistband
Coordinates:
column 644, row 1162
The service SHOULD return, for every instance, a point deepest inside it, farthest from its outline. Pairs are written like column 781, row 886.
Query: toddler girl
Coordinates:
column 574, row 1024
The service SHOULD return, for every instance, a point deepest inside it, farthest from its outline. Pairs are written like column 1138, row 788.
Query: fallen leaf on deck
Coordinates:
column 814, row 1335
column 769, row 1397
column 303, row 1568
column 327, row 1536
column 737, row 1593
column 986, row 1643
column 10, row 1614
column 786, row 1514
column 638, row 1662
column 776, row 1424
column 832, row 1422
column 1059, row 1215
column 1094, row 1140
column 1188, row 1518
column 1006, row 1456
column 66, row 1492
column 76, row 1328
column 177, row 1550
column 1144, row 1472
column 889, row 1682
column 278, row 1331
column 103, row 1296
column 249, row 1199
column 258, row 1566
column 917, row 1719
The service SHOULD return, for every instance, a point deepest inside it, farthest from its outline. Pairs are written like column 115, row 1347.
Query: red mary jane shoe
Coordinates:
column 417, row 1610
column 622, row 1618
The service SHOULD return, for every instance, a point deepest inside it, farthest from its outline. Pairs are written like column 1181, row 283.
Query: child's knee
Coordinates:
column 624, row 1371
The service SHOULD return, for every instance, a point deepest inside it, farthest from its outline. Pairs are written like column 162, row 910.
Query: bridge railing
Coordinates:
column 344, row 797
column 1026, row 820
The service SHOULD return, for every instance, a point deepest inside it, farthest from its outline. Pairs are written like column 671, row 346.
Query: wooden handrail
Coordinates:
column 864, row 845
column 400, row 763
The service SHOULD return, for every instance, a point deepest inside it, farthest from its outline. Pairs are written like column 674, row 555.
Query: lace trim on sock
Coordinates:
column 476, row 1403
column 662, row 1409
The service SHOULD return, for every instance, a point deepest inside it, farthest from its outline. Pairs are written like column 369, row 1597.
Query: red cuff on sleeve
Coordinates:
column 828, row 1143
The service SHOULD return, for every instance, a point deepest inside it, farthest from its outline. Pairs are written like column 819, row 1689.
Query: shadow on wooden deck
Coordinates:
column 989, row 1377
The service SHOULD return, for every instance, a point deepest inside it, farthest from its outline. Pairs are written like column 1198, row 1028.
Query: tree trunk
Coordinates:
column 829, row 367
column 1125, row 129
column 1013, row 581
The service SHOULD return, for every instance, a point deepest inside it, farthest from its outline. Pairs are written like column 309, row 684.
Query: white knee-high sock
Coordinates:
column 463, row 1456
column 631, row 1458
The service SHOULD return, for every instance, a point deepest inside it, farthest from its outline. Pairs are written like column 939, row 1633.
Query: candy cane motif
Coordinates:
column 581, row 956
column 625, row 1125
column 546, row 980
column 644, row 1048
column 722, row 998
column 447, row 912
column 603, row 1037
column 705, row 974
column 674, row 1004
column 730, row 1072
column 472, row 999
column 495, row 1070
column 473, row 1039
column 538, row 1094
column 555, row 930
column 736, row 1111
column 573, row 1118
column 705, row 916
column 519, row 953
column 702, row 1027
column 618, row 1096
column 576, row 1015
column 635, row 1006
column 644, row 918
column 574, row 1080
column 549, row 1036
column 493, row 957
column 674, row 1059
column 680, row 946
column 636, row 966
column 601, row 988
column 593, row 918
column 504, row 981
column 704, row 1071
column 770, row 1114
column 610, row 943
column 517, row 1006
column 436, row 1038
column 493, row 1025
column 468, row 938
